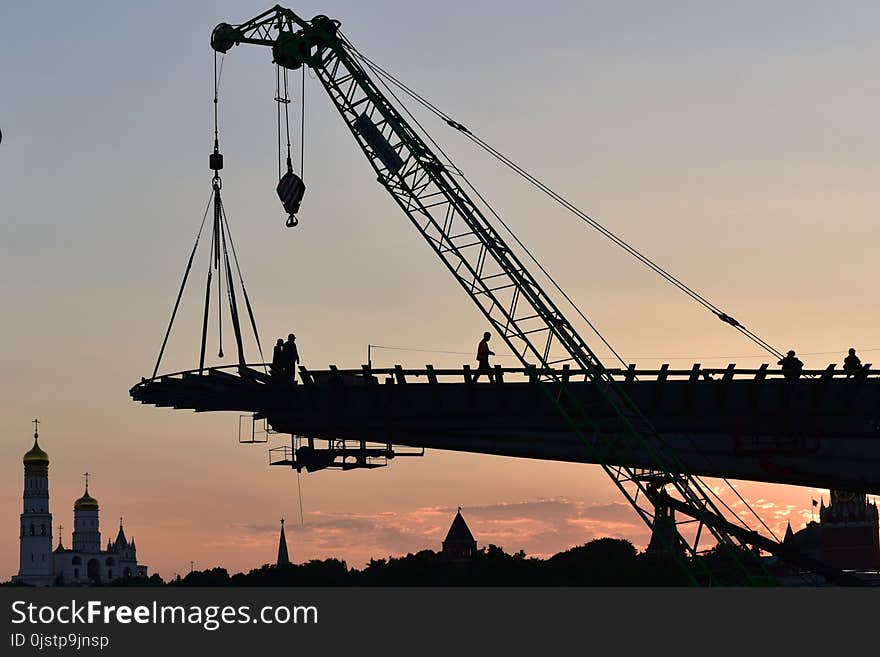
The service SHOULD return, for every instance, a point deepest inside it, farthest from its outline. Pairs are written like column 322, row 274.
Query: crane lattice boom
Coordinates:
column 490, row 272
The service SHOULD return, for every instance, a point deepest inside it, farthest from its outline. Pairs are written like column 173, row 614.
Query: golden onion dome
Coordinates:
column 36, row 456
column 86, row 502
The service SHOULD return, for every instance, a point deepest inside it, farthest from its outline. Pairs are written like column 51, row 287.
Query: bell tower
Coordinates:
column 35, row 557
column 86, row 532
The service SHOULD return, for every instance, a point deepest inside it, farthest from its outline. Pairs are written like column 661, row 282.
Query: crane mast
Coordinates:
column 521, row 312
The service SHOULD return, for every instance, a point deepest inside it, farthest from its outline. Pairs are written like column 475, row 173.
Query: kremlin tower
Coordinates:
column 847, row 535
column 35, row 557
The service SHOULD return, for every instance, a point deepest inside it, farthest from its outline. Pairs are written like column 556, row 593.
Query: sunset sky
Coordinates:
column 735, row 143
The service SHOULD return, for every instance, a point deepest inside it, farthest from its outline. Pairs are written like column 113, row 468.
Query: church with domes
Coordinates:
column 84, row 562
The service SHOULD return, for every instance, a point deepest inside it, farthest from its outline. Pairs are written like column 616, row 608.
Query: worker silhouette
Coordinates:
column 852, row 364
column 791, row 366
column 290, row 356
column 483, row 353
column 277, row 368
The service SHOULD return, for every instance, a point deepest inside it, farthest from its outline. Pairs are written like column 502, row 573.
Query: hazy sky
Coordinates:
column 736, row 143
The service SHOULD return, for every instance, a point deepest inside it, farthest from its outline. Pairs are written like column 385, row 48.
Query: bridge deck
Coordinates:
column 822, row 429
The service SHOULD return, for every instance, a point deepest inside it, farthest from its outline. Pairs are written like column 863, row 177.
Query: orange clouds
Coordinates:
column 540, row 528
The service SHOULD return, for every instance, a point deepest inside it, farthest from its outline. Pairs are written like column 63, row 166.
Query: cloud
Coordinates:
column 539, row 527
column 615, row 511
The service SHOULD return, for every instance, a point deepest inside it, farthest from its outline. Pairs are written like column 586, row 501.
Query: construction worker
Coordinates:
column 483, row 353
column 852, row 364
column 290, row 356
column 277, row 368
column 791, row 366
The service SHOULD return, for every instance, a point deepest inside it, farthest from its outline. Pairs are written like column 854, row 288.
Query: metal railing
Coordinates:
column 466, row 374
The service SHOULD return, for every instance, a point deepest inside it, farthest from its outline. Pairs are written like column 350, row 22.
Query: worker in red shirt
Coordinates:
column 483, row 353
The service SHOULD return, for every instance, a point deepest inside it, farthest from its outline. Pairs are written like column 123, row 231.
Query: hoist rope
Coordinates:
column 278, row 114
column 282, row 97
column 218, row 254
column 302, row 129
column 216, row 98
column 215, row 239
column 287, row 119
column 540, row 185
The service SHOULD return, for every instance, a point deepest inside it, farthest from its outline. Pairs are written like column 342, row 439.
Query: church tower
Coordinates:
column 35, row 558
column 283, row 557
column 460, row 544
column 86, row 535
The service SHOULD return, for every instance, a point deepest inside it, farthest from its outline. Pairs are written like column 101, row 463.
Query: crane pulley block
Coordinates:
column 294, row 48
column 291, row 190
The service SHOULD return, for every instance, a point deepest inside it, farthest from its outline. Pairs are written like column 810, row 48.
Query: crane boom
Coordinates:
column 490, row 272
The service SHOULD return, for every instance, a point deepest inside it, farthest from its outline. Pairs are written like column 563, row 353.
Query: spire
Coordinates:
column 60, row 528
column 120, row 537
column 283, row 558
column 458, row 530
column 460, row 543
column 788, row 533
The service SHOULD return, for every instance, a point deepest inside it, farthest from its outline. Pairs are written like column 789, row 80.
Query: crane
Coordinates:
column 430, row 193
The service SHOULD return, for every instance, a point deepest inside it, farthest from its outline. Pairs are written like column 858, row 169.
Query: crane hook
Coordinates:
column 290, row 191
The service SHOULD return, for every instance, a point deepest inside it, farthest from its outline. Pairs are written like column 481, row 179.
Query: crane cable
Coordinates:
column 386, row 77
column 381, row 77
column 277, row 100
column 218, row 250
column 182, row 287
column 195, row 247
column 217, row 185
column 281, row 86
column 540, row 185
column 247, row 301
column 302, row 129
